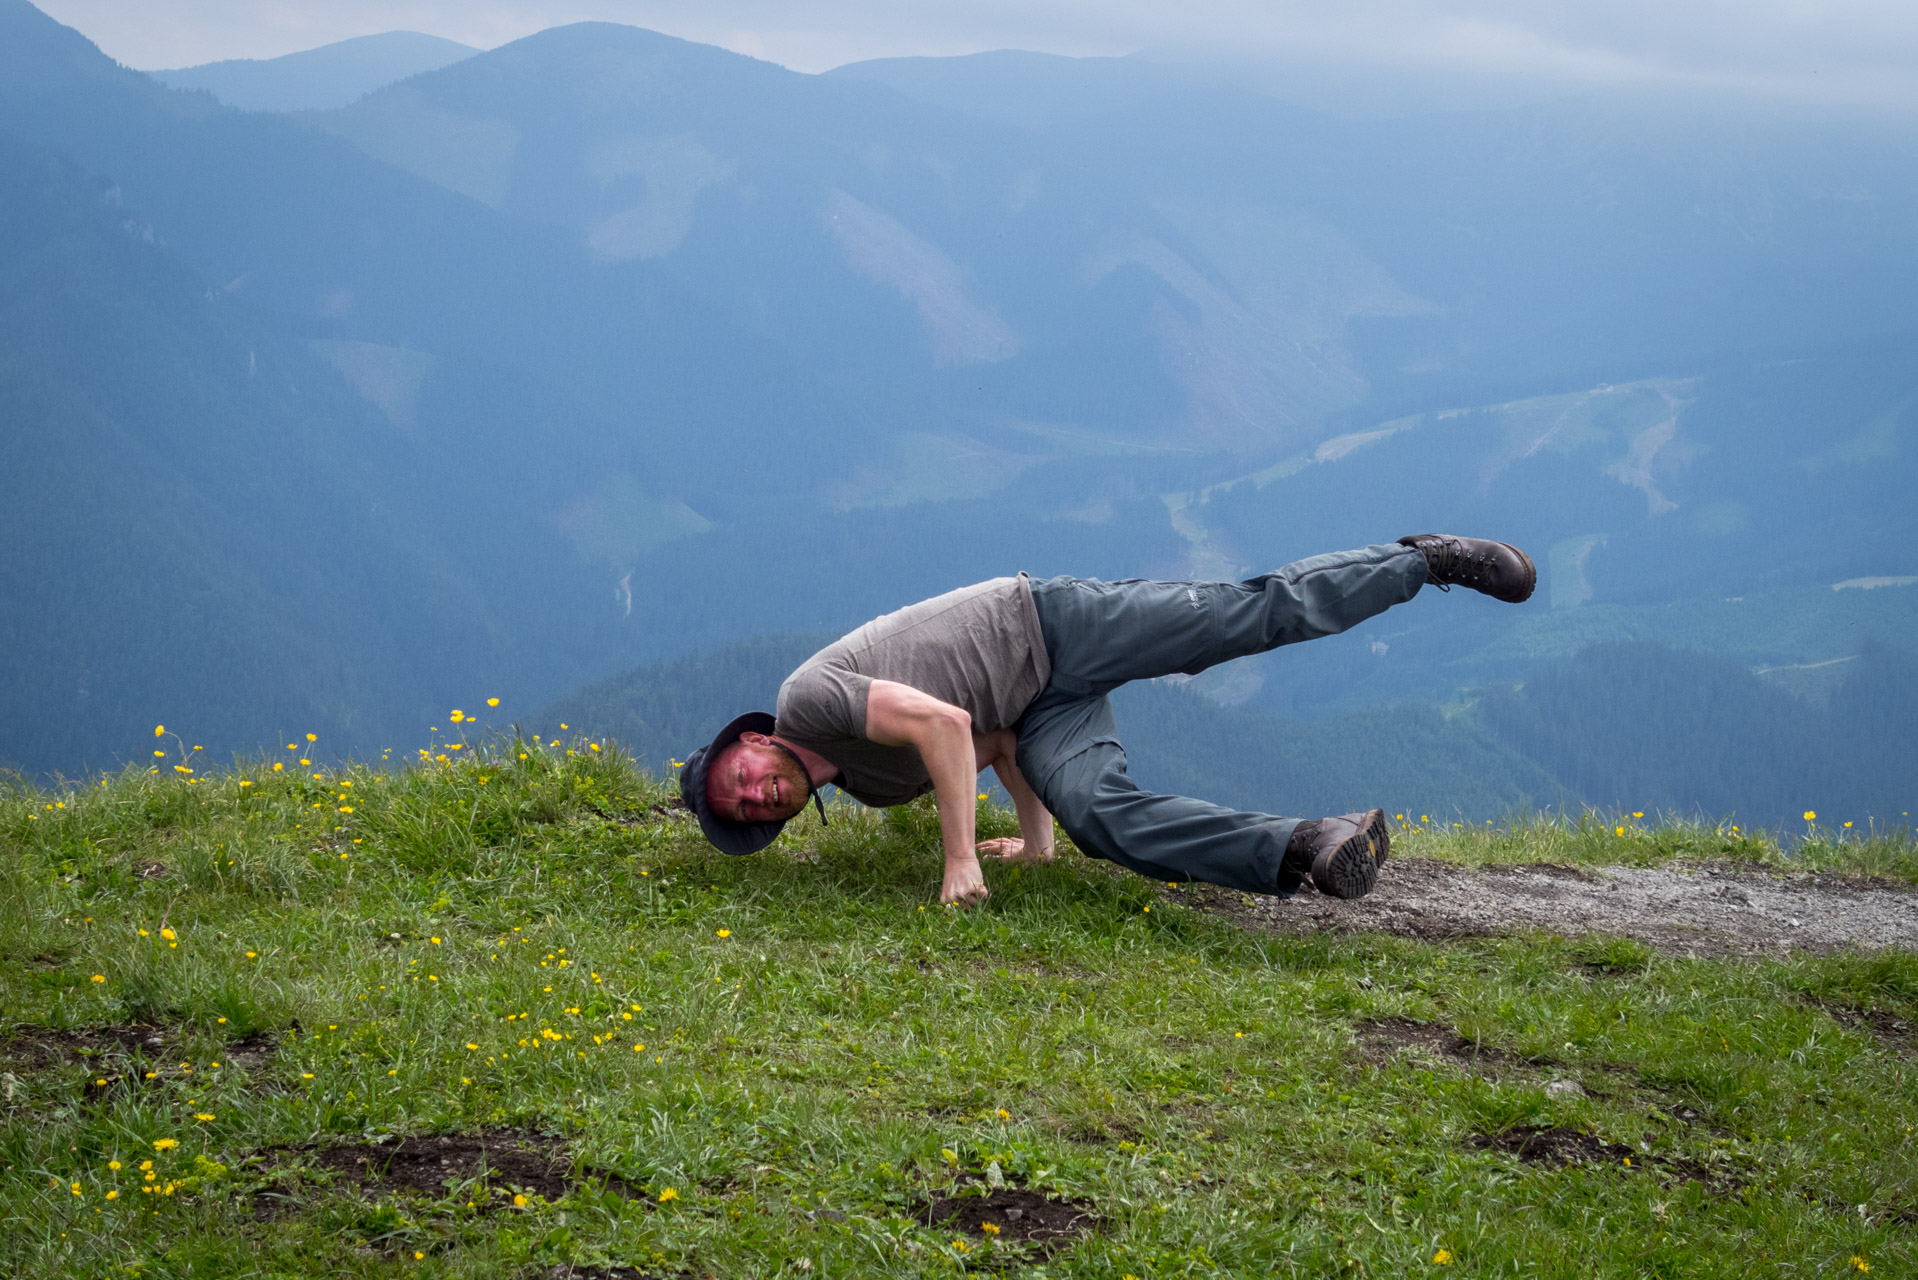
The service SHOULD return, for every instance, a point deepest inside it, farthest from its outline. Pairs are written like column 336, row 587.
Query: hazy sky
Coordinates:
column 1843, row 49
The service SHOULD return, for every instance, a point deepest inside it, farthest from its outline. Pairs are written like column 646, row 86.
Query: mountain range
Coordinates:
column 602, row 346
column 332, row 75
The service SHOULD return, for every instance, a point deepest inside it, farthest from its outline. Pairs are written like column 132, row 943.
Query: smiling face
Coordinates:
column 754, row 781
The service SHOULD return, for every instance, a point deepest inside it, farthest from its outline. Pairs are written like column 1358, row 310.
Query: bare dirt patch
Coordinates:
column 1013, row 1215
column 1687, row 909
column 502, row 1163
column 1555, row 1147
column 1890, row 1030
column 42, row 1047
column 119, row 1058
column 1559, row 1147
column 1382, row 1039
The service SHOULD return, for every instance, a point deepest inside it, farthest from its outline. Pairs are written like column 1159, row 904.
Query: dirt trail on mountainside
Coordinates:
column 1697, row 908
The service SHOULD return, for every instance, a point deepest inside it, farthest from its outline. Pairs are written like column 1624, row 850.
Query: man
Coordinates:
column 1014, row 674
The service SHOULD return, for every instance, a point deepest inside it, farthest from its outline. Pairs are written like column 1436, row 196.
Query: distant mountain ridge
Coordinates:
column 603, row 346
column 331, row 75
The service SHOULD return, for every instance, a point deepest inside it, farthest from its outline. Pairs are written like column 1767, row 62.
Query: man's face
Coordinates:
column 754, row 781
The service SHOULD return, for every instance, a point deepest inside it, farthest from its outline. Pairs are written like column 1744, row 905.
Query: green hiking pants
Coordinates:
column 1099, row 635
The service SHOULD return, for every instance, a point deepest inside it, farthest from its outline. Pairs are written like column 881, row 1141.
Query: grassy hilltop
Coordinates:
column 267, row 1021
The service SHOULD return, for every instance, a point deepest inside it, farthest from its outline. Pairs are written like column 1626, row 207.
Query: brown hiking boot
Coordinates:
column 1343, row 854
column 1498, row 569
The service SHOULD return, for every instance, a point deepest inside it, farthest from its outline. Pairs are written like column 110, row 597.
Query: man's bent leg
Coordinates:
column 1101, row 634
column 1069, row 754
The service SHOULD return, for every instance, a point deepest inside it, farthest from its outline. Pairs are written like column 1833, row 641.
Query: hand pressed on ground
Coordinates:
column 1014, row 849
column 964, row 885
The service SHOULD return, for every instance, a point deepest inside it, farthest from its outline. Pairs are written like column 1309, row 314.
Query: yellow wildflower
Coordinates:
column 99, row 977
column 1442, row 1258
column 668, row 1194
column 725, row 933
column 165, row 1144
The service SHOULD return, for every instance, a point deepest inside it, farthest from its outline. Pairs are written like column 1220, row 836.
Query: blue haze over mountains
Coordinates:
column 601, row 348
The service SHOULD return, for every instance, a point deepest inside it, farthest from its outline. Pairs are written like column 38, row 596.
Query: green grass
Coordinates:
column 1596, row 839
column 820, row 1035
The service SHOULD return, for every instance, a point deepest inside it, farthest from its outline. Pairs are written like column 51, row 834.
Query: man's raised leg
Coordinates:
column 1099, row 635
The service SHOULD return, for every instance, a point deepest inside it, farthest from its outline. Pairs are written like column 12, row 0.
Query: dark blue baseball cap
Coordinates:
column 737, row 837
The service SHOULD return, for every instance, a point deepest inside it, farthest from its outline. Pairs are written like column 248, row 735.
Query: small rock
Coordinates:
column 1565, row 1089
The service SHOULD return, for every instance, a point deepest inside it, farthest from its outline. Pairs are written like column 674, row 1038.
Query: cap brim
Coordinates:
column 727, row 837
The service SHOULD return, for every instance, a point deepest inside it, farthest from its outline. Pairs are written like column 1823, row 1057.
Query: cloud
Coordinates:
column 1858, row 49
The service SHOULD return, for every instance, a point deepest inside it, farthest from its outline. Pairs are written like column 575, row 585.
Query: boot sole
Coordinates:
column 1351, row 869
column 1531, row 580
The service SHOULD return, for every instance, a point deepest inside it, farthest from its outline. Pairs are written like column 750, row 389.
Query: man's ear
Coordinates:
column 754, row 739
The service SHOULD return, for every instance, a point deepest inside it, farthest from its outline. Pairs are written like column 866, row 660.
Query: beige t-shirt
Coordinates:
column 978, row 648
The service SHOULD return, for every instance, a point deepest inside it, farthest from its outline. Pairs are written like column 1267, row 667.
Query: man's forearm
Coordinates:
column 899, row 715
column 947, row 753
column 1035, row 820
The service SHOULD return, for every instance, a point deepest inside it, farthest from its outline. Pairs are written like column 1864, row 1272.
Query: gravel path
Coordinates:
column 1697, row 909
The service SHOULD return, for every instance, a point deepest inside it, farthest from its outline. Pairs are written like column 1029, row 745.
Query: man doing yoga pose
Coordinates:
column 1015, row 673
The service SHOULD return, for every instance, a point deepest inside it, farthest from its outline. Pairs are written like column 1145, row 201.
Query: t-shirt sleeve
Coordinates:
column 824, row 702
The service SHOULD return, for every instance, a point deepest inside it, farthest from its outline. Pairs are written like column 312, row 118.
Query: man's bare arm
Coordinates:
column 898, row 715
column 1000, row 750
